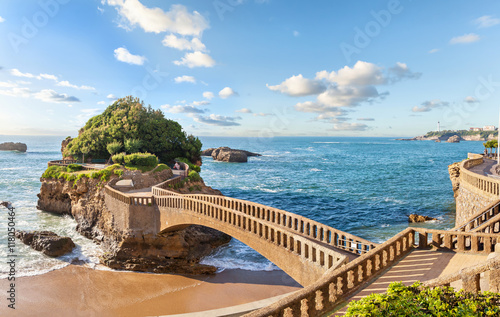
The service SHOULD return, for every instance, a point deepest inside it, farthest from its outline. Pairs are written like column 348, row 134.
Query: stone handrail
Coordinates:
column 481, row 217
column 331, row 290
column 471, row 277
column 61, row 162
column 468, row 242
column 490, row 226
column 299, row 225
column 130, row 200
column 306, row 249
column 481, row 184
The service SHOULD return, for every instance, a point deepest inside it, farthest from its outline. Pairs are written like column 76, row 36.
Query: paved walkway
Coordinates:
column 418, row 265
column 487, row 168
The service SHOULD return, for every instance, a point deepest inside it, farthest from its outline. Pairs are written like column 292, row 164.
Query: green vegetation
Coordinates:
column 192, row 166
column 492, row 144
column 161, row 167
column 114, row 147
column 141, row 159
column 461, row 133
column 61, row 172
column 74, row 168
column 416, row 301
column 192, row 177
column 118, row 158
column 141, row 129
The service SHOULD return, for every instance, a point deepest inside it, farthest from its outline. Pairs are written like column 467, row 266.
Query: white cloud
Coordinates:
column 227, row 92
column 217, row 120
column 486, row 21
column 208, row 94
column 244, row 110
column 4, row 84
column 185, row 79
column 101, row 103
column 366, row 119
column 296, row 33
column 434, row 50
column 428, row 105
column 465, row 39
column 182, row 109
column 345, row 126
column 362, row 73
column 123, row 55
column 196, row 59
column 66, row 83
column 47, row 76
column 470, row 99
column 17, row 73
column 183, row 44
column 262, row 114
column 16, row 92
column 176, row 20
column 200, row 103
column 49, row 95
column 299, row 86
column 2, row 20
column 111, row 97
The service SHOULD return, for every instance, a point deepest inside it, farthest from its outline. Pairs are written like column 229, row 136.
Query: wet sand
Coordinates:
column 79, row 291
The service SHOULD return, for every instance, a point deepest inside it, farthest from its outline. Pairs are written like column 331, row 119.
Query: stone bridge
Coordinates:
column 303, row 248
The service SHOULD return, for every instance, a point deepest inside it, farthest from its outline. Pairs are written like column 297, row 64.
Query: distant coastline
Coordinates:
column 464, row 135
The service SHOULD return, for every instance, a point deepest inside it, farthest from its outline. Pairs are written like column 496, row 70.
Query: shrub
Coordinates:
column 192, row 166
column 194, row 176
column 73, row 168
column 141, row 159
column 118, row 158
column 132, row 145
column 415, row 300
column 53, row 171
column 114, row 147
column 161, row 167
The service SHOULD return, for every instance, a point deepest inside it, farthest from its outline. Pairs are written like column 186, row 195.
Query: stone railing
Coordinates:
column 483, row 185
column 490, row 226
column 128, row 199
column 331, row 290
column 482, row 217
column 471, row 277
column 61, row 162
column 295, row 223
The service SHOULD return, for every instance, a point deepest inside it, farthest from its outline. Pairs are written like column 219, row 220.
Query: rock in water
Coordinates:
column 225, row 154
column 11, row 146
column 47, row 242
column 419, row 218
column 453, row 139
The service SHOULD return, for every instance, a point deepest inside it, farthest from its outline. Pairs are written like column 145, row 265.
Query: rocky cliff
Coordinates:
column 454, row 171
column 175, row 252
column 226, row 154
column 11, row 146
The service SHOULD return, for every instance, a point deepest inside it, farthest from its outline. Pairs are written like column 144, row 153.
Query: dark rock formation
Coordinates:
column 225, row 154
column 454, row 139
column 47, row 242
column 175, row 252
column 11, row 146
column 419, row 218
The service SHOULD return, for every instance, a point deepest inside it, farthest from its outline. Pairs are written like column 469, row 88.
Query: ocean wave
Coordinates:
column 327, row 142
column 315, row 170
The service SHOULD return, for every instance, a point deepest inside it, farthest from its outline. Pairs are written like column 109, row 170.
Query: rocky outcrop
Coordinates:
column 226, row 154
column 175, row 252
column 454, row 171
column 64, row 144
column 11, row 146
column 454, row 139
column 418, row 218
column 46, row 242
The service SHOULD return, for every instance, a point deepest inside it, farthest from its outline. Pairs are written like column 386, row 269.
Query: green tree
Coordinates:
column 114, row 147
column 128, row 119
column 132, row 145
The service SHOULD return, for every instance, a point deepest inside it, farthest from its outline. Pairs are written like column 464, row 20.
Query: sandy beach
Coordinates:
column 78, row 291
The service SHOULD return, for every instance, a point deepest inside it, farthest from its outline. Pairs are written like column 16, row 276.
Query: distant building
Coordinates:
column 489, row 128
column 475, row 129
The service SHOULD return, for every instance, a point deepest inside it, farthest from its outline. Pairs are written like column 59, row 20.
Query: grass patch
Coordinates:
column 61, row 172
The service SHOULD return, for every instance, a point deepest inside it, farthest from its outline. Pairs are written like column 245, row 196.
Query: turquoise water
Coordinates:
column 365, row 186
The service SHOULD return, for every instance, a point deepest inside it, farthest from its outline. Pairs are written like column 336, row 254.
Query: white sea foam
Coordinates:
column 315, row 170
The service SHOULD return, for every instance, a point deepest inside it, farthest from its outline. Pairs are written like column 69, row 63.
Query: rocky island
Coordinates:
column 226, row 154
column 11, row 146
column 67, row 189
column 455, row 136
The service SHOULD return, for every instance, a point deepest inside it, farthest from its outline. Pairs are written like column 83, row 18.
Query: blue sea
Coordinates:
column 364, row 186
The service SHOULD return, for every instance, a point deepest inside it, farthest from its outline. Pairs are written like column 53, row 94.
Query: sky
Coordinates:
column 260, row 68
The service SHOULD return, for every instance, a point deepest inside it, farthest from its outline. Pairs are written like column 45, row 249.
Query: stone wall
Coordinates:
column 469, row 203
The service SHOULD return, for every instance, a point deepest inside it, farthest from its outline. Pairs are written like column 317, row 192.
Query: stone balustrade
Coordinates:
column 479, row 184
column 292, row 222
column 481, row 219
column 456, row 241
column 128, row 199
column 61, row 162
